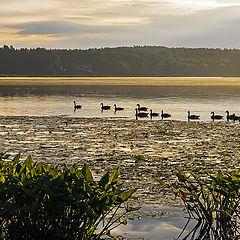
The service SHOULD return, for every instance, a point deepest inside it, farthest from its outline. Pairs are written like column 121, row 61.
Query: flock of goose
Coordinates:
column 141, row 112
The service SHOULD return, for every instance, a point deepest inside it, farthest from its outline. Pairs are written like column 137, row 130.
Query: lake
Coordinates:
column 176, row 98
column 38, row 98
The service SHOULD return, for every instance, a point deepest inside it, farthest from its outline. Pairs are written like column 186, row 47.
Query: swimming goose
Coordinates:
column 235, row 117
column 140, row 114
column 105, row 107
column 153, row 114
column 141, row 108
column 76, row 106
column 215, row 117
column 118, row 108
column 192, row 117
column 165, row 115
column 230, row 117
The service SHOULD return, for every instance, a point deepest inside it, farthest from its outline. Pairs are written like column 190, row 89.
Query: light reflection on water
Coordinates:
column 176, row 100
column 148, row 229
column 167, row 227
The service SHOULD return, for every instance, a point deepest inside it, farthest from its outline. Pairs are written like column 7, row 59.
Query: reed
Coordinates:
column 212, row 201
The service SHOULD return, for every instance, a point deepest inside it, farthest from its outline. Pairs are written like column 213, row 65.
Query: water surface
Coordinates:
column 47, row 100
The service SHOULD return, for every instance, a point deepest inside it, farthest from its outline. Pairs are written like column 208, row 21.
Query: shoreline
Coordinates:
column 105, row 144
column 124, row 81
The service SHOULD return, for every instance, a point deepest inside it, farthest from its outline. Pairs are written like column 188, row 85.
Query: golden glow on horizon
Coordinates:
column 144, row 81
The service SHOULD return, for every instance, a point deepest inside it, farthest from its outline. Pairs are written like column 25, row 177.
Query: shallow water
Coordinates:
column 49, row 100
column 167, row 227
column 44, row 100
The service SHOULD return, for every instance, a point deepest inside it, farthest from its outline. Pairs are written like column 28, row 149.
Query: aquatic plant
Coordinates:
column 211, row 200
column 39, row 201
column 139, row 158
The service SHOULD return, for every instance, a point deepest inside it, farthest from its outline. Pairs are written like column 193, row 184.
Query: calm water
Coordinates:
column 167, row 227
column 176, row 100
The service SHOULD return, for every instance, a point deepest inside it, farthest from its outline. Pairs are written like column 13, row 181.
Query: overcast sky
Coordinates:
column 109, row 23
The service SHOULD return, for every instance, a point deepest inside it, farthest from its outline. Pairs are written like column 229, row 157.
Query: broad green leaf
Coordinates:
column 16, row 158
column 104, row 180
column 114, row 176
column 124, row 196
column 28, row 162
column 87, row 173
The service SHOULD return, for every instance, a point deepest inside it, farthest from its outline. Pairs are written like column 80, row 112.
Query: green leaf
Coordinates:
column 122, row 221
column 124, row 196
column 131, row 209
column 28, row 162
column 2, row 179
column 181, row 176
column 16, row 158
column 163, row 183
column 219, row 175
column 139, row 158
column 87, row 173
column 114, row 176
column 104, row 180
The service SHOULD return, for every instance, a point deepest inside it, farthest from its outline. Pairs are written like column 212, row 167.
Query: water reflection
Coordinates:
column 167, row 226
column 177, row 100
column 149, row 229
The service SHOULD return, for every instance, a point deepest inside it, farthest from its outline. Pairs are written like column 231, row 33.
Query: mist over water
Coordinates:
column 44, row 100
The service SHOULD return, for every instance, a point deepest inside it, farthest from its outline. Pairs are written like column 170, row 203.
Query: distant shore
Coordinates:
column 131, row 81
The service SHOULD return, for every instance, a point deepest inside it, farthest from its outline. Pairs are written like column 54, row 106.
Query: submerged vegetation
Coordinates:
column 39, row 201
column 212, row 201
column 120, row 61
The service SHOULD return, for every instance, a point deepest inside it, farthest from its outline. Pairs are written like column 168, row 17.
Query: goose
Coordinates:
column 230, row 117
column 153, row 114
column 235, row 118
column 192, row 117
column 118, row 108
column 76, row 106
column 140, row 114
column 105, row 107
column 215, row 117
column 165, row 115
column 141, row 108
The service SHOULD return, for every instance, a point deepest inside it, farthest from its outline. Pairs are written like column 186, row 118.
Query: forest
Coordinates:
column 119, row 61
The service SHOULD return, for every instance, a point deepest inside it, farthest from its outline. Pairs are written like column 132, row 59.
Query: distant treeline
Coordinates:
column 120, row 61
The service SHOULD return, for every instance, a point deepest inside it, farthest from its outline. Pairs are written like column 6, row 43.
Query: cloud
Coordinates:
column 64, row 27
column 95, row 23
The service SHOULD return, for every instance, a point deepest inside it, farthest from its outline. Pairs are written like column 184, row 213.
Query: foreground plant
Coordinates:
column 39, row 201
column 214, row 201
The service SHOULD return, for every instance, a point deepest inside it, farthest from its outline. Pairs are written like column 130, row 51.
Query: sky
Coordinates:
column 82, row 24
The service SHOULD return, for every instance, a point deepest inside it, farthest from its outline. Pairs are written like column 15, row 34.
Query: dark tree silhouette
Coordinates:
column 121, row 61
